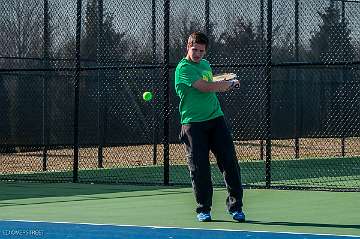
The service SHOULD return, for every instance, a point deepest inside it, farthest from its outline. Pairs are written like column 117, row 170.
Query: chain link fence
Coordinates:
column 72, row 74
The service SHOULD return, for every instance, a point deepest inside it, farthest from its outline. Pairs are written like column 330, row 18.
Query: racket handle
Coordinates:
column 235, row 84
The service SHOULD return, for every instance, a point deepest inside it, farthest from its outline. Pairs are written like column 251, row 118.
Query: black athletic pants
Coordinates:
column 199, row 138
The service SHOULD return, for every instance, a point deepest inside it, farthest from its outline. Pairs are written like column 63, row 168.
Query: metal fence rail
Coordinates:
column 72, row 75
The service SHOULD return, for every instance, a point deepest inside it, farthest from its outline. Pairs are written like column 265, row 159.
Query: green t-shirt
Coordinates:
column 195, row 106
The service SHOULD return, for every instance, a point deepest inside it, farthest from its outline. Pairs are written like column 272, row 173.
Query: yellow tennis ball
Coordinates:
column 147, row 95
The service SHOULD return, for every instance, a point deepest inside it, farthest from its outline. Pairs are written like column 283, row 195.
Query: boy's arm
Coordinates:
column 216, row 86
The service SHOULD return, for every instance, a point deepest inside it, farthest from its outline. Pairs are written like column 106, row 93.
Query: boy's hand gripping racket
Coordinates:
column 228, row 77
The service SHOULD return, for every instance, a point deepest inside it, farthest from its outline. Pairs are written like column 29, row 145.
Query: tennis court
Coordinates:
column 66, row 210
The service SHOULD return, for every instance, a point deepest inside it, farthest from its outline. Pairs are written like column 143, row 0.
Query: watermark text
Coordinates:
column 23, row 232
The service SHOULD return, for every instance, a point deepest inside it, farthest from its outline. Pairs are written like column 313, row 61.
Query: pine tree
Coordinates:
column 332, row 42
column 241, row 42
column 114, row 45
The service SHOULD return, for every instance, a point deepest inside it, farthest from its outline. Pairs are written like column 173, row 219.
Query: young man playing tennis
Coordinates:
column 204, row 129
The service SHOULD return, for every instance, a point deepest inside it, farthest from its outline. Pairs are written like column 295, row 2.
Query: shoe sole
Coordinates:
column 241, row 220
column 205, row 220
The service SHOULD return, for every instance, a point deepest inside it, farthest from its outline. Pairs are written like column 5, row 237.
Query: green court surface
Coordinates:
column 318, row 212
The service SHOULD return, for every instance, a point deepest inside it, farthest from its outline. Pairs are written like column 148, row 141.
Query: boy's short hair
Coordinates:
column 199, row 38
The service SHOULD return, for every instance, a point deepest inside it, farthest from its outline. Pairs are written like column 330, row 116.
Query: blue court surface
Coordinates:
column 60, row 230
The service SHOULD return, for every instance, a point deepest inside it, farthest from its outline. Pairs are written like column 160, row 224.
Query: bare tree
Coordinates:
column 188, row 24
column 115, row 45
column 21, row 29
column 21, row 35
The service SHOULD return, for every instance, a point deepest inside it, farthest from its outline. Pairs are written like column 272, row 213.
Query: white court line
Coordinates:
column 185, row 228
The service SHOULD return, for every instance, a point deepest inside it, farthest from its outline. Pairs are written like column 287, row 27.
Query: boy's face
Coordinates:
column 195, row 52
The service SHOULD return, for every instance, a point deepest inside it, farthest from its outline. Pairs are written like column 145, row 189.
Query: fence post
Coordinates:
column 262, row 19
column 100, row 78
column 154, row 116
column 166, row 88
column 76, row 93
column 153, row 29
column 46, row 39
column 262, row 7
column 207, row 17
column 343, row 78
column 268, row 95
column 297, row 102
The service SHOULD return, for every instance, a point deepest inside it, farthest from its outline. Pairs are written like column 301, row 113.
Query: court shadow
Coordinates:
column 227, row 221
column 82, row 192
column 305, row 224
column 83, row 198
